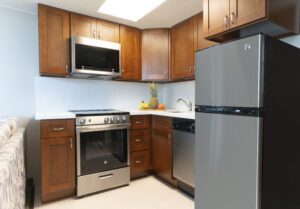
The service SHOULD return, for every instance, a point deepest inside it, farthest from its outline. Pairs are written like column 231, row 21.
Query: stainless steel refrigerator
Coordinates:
column 248, row 125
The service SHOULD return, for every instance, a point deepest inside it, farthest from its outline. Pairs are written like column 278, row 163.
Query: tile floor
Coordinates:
column 145, row 193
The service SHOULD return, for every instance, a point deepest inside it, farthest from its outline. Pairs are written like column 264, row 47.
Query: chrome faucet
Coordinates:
column 189, row 104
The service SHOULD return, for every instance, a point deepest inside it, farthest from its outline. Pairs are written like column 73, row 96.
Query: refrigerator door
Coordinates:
column 231, row 74
column 227, row 161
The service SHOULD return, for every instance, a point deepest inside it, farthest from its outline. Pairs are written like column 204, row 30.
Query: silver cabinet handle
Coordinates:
column 166, row 74
column 71, row 143
column 58, row 129
column 138, row 162
column 232, row 18
column 99, row 35
column 123, row 70
column 191, row 70
column 105, row 176
column 67, row 68
column 226, row 21
column 137, row 140
column 138, row 122
column 94, row 34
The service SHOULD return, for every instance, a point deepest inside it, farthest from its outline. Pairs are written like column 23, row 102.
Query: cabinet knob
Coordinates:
column 226, row 21
column 232, row 18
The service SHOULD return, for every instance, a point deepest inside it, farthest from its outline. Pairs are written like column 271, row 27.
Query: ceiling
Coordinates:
column 165, row 16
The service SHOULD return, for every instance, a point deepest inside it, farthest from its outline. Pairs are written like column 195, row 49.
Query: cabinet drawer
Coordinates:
column 139, row 140
column 162, row 123
column 140, row 121
column 57, row 128
column 139, row 162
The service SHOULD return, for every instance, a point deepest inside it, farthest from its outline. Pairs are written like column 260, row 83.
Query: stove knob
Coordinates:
column 118, row 119
column 112, row 120
column 106, row 120
column 82, row 121
column 124, row 119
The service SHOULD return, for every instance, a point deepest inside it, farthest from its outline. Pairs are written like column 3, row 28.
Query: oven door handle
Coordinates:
column 102, row 127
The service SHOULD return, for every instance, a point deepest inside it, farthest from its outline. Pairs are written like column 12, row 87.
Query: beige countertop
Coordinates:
column 69, row 115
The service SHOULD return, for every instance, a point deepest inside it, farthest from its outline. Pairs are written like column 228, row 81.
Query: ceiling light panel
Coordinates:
column 132, row 10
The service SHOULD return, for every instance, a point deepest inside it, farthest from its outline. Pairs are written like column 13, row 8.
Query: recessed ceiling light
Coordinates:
column 132, row 10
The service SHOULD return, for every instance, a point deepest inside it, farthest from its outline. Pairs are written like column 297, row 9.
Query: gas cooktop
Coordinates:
column 96, row 112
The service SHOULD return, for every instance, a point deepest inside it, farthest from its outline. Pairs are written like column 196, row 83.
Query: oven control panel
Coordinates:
column 102, row 120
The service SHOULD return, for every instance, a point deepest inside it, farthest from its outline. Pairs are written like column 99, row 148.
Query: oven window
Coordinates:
column 103, row 150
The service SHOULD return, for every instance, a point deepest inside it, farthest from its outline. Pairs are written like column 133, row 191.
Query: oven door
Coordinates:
column 102, row 148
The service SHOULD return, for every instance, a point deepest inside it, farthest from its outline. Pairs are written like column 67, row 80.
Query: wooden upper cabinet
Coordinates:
column 246, row 11
column 231, row 19
column 130, row 39
column 202, row 43
column 83, row 26
column 183, row 48
column 108, row 31
column 89, row 27
column 54, row 41
column 155, row 54
column 216, row 16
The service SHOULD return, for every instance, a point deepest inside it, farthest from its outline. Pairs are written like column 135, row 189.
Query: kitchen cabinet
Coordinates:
column 227, row 19
column 140, row 164
column 155, row 54
column 183, row 48
column 162, row 160
column 54, row 41
column 202, row 43
column 57, row 159
column 94, row 28
column 130, row 39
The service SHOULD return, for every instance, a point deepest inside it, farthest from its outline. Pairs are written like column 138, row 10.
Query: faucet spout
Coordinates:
column 188, row 104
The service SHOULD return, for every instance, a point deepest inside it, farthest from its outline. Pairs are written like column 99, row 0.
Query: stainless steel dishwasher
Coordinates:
column 184, row 154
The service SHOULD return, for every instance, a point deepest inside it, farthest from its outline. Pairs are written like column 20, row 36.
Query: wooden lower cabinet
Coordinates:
column 162, row 140
column 140, row 151
column 139, row 163
column 57, row 160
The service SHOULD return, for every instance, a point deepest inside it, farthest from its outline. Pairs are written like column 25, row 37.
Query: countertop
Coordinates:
column 167, row 113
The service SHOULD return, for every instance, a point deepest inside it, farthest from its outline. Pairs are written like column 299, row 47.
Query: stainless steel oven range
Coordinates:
column 102, row 140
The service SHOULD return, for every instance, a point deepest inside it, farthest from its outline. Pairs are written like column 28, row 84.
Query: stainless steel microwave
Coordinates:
column 95, row 58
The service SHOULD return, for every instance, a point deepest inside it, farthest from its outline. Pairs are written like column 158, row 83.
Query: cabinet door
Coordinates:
column 202, row 43
column 58, row 168
column 131, row 53
column 155, row 54
column 108, row 31
column 246, row 11
column 216, row 16
column 83, row 26
column 54, row 40
column 183, row 50
column 162, row 153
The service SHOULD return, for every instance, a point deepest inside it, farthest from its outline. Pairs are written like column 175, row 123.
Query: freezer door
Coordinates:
column 227, row 161
column 231, row 74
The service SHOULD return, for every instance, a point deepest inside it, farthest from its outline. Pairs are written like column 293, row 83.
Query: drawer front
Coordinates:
column 161, row 122
column 139, row 162
column 57, row 128
column 139, row 140
column 140, row 122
